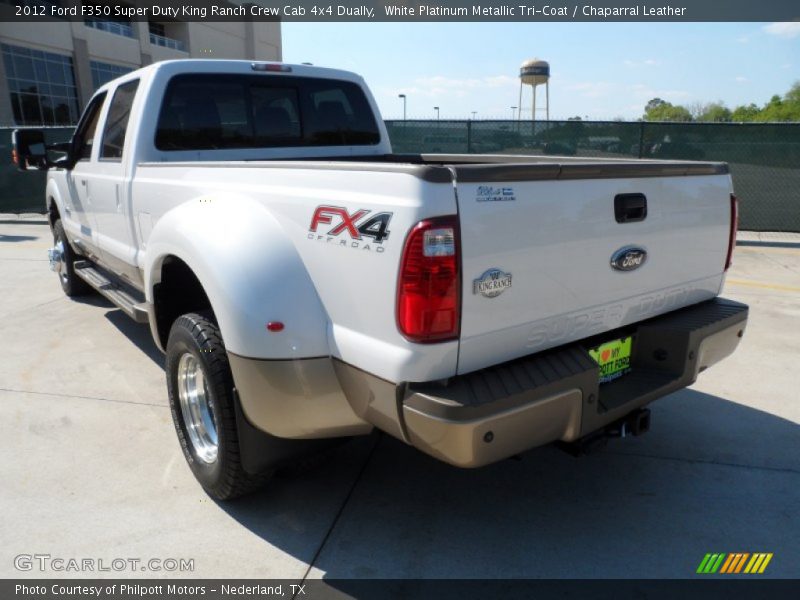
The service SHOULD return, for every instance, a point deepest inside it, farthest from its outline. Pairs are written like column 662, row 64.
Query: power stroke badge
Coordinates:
column 492, row 283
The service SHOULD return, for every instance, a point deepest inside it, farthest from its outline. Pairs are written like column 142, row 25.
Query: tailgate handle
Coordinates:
column 630, row 208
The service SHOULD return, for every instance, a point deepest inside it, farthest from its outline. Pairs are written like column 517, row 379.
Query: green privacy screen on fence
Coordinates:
column 764, row 158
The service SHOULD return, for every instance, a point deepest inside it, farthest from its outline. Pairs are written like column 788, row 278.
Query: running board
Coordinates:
column 121, row 297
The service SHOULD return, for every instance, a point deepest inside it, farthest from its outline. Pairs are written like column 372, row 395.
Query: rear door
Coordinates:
column 109, row 182
column 537, row 254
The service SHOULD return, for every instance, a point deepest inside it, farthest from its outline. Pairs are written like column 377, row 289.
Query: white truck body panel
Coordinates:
column 346, row 279
column 557, row 238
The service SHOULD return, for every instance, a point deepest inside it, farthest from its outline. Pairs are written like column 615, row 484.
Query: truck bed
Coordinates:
column 554, row 233
column 437, row 168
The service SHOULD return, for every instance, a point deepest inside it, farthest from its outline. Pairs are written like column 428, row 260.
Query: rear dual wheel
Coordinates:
column 201, row 399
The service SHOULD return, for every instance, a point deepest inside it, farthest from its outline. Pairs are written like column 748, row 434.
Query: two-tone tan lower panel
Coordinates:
column 486, row 440
column 299, row 399
column 372, row 398
column 718, row 346
column 485, row 416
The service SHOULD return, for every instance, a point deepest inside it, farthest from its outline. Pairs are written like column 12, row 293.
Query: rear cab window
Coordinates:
column 116, row 124
column 213, row 111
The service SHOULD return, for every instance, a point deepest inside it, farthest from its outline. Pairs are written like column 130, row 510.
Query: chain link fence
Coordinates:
column 764, row 158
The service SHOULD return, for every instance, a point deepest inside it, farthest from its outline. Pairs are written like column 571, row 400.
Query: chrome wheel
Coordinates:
column 196, row 407
column 58, row 260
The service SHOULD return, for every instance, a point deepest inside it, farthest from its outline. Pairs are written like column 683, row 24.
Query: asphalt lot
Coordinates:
column 91, row 466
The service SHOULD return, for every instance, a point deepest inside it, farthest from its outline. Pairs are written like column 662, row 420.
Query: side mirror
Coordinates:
column 28, row 150
column 65, row 161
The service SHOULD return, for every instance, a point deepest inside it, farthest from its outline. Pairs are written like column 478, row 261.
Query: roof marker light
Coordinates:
column 273, row 67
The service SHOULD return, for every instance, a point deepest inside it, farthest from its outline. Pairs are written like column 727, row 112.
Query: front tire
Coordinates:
column 201, row 397
column 64, row 264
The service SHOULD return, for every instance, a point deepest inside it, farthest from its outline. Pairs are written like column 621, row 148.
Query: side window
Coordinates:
column 87, row 128
column 117, row 121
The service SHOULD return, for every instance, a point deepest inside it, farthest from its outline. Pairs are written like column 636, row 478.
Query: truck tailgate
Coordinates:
column 537, row 249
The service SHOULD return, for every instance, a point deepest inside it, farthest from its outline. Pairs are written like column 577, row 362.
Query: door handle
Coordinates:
column 83, row 182
column 630, row 208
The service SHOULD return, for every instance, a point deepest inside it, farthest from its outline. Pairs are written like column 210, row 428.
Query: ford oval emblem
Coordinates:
column 628, row 258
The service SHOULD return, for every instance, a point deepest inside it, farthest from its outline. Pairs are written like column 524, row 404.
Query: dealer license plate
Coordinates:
column 614, row 358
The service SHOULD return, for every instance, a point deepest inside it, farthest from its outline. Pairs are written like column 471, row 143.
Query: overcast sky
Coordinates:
column 598, row 70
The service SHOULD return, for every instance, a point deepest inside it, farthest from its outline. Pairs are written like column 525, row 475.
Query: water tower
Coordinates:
column 535, row 72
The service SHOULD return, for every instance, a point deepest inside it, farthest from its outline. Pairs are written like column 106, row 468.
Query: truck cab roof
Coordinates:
column 209, row 65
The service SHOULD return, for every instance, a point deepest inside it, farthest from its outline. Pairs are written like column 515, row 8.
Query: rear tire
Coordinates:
column 70, row 282
column 202, row 402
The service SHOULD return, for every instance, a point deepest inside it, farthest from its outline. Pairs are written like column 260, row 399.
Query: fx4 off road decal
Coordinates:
column 335, row 225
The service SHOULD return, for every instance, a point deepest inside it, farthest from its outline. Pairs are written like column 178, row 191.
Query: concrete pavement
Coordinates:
column 92, row 468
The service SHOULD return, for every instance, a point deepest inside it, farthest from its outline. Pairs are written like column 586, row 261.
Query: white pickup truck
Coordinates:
column 306, row 284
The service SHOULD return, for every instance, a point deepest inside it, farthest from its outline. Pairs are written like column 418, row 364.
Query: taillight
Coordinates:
column 429, row 286
column 733, row 230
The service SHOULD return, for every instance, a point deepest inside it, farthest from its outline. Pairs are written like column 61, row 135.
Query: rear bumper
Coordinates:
column 485, row 416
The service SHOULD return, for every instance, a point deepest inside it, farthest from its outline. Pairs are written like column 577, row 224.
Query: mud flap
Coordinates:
column 260, row 451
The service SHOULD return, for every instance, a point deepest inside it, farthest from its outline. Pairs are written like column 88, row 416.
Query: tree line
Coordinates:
column 779, row 108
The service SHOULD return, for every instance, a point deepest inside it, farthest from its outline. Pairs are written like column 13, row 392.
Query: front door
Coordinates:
column 78, row 218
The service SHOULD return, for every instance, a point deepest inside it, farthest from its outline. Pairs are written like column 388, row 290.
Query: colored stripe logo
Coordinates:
column 735, row 562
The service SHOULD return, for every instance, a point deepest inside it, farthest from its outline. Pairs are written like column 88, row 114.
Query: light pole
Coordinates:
column 513, row 108
column 436, row 108
column 474, row 112
column 403, row 96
